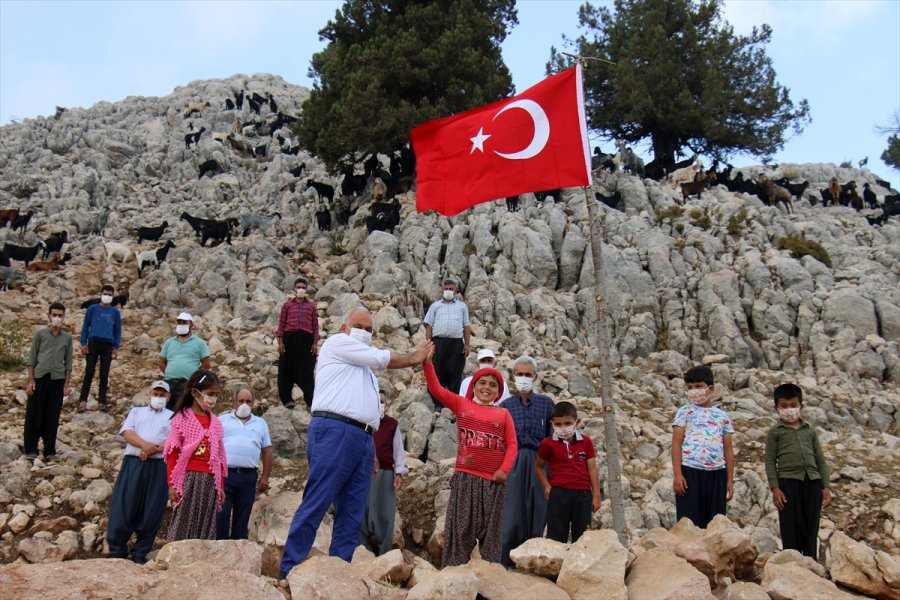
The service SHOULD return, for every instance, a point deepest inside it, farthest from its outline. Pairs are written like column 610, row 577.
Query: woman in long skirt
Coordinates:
column 195, row 460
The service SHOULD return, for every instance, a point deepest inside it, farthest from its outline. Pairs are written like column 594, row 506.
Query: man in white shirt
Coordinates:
column 341, row 451
column 246, row 438
column 484, row 360
column 139, row 496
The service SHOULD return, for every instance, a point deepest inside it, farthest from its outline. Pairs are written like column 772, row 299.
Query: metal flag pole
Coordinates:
column 610, row 433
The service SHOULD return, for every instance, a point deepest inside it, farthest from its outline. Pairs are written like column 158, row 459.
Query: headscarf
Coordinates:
column 470, row 393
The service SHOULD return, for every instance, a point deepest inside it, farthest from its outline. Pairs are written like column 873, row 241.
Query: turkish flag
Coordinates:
column 528, row 143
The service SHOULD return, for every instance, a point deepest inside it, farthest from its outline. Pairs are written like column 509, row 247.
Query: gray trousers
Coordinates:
column 525, row 510
column 377, row 530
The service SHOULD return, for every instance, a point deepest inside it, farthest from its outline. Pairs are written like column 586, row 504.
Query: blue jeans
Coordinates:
column 341, row 460
column 240, row 492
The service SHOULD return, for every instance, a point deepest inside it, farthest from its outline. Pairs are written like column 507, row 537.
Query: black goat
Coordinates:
column 25, row 254
column 383, row 220
column 239, row 100
column 296, row 171
column 827, row 197
column 352, row 184
column 217, row 231
column 869, row 196
column 323, row 189
column 209, row 167
column 323, row 219
column 892, row 205
column 4, row 259
column 541, row 196
column 21, row 221
column 195, row 222
column 193, row 138
column 259, row 151
column 54, row 243
column 273, row 106
column 796, row 189
column 120, row 300
column 610, row 201
column 229, row 104
column 151, row 233
column 512, row 203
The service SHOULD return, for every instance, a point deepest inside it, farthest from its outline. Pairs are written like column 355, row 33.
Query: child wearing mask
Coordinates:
column 196, row 465
column 139, row 497
column 702, row 454
column 573, row 490
column 797, row 473
column 485, row 456
column 49, row 370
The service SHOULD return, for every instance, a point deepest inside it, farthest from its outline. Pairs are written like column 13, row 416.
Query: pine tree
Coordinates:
column 392, row 64
column 682, row 78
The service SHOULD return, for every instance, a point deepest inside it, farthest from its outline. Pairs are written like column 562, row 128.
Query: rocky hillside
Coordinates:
column 704, row 282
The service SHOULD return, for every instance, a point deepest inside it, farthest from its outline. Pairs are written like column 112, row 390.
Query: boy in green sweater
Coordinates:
column 797, row 473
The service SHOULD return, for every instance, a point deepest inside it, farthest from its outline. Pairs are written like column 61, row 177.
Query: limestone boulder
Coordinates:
column 793, row 557
column 496, row 583
column 94, row 578
column 540, row 556
column 270, row 522
column 661, row 575
column 326, row 577
column 855, row 565
column 389, row 568
column 204, row 580
column 42, row 548
column 88, row 500
column 594, row 567
column 452, row 583
column 286, row 441
column 790, row 581
column 745, row 590
column 236, row 555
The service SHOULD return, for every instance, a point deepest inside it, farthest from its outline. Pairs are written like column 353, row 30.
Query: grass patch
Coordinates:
column 336, row 250
column 14, row 343
column 469, row 249
column 800, row 247
column 700, row 219
column 737, row 223
column 672, row 212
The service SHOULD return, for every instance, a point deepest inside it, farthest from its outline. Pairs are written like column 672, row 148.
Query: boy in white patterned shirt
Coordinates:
column 702, row 453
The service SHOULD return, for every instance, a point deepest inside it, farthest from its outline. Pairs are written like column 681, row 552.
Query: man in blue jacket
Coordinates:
column 101, row 334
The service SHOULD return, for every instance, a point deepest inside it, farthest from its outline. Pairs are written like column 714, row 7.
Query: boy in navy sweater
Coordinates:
column 101, row 334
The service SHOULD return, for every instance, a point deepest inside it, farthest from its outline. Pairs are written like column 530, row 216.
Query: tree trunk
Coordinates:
column 664, row 147
column 610, row 434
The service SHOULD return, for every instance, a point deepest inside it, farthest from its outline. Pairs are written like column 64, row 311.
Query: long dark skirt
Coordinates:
column 195, row 517
column 474, row 514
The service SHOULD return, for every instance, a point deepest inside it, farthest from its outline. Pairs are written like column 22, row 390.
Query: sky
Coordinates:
column 843, row 56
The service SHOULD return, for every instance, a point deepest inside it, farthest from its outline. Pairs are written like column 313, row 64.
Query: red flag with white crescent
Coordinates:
column 528, row 143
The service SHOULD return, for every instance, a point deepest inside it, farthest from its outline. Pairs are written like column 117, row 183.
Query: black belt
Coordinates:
column 243, row 469
column 178, row 379
column 330, row 415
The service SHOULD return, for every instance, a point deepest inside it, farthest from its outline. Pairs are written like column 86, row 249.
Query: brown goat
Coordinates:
column 693, row 187
column 45, row 265
column 835, row 188
column 775, row 193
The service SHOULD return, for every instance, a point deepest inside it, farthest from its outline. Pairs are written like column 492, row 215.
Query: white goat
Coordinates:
column 685, row 175
column 115, row 250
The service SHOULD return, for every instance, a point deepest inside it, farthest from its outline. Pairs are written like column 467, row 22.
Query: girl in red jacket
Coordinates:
column 486, row 453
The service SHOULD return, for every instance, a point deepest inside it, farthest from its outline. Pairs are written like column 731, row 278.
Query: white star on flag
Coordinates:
column 478, row 140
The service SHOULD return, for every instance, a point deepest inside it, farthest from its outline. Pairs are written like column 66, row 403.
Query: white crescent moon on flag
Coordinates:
column 541, row 129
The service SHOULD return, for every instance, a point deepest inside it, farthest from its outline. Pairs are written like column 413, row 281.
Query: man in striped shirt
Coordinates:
column 447, row 325
column 298, row 345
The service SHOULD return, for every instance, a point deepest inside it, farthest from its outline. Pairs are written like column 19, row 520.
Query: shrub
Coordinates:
column 700, row 219
column 336, row 250
column 469, row 249
column 14, row 343
column 737, row 223
column 800, row 247
column 672, row 212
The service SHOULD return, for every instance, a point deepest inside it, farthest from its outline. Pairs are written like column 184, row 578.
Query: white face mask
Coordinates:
column 524, row 383
column 242, row 411
column 361, row 335
column 182, row 329
column 696, row 396
column 105, row 299
column 564, row 433
column 300, row 292
column 381, row 404
column 208, row 401
column 449, row 295
column 789, row 415
column 56, row 321
column 157, row 402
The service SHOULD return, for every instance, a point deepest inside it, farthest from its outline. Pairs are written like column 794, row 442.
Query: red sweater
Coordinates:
column 487, row 434
column 199, row 461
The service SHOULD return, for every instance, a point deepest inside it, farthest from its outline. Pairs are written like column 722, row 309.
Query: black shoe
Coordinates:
column 290, row 406
column 282, row 575
column 140, row 560
column 31, row 455
column 49, row 457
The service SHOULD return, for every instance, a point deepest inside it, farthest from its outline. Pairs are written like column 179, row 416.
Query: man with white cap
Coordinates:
column 484, row 360
column 139, row 496
column 181, row 355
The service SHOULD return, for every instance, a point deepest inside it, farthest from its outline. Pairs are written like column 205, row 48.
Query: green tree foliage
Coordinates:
column 392, row 64
column 682, row 78
column 891, row 155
